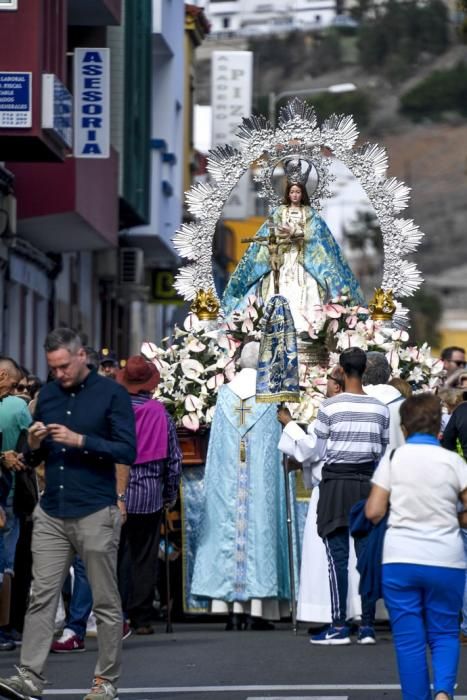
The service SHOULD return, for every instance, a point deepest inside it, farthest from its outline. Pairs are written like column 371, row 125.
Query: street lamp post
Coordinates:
column 275, row 98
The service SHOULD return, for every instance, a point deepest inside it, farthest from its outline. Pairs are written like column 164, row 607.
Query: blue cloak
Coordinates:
column 322, row 259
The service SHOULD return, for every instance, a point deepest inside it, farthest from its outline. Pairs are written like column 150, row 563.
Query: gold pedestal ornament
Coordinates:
column 206, row 305
column 382, row 306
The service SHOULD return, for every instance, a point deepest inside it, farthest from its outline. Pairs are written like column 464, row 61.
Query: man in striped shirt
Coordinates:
column 352, row 432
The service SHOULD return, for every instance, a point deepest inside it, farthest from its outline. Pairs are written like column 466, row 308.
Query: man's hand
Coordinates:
column 2, row 518
column 122, row 508
column 36, row 433
column 283, row 415
column 13, row 460
column 65, row 436
column 293, row 465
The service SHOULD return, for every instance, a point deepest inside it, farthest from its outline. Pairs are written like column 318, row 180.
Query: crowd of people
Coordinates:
column 70, row 498
column 90, row 462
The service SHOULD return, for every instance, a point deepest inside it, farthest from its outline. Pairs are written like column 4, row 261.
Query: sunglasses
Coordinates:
column 459, row 363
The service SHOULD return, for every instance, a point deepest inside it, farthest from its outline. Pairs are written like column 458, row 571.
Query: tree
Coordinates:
column 442, row 91
column 400, row 34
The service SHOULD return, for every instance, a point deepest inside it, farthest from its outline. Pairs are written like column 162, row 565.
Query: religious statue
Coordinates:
column 293, row 254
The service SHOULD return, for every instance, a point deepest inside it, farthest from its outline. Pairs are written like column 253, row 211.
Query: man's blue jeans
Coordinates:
column 337, row 550
column 424, row 604
column 10, row 534
column 81, row 600
column 464, row 605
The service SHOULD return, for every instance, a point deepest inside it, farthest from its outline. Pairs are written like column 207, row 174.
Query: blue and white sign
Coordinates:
column 91, row 103
column 15, row 100
column 57, row 104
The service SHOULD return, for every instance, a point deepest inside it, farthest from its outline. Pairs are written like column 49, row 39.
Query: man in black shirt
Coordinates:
column 84, row 427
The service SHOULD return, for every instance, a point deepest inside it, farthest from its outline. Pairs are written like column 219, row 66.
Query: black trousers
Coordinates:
column 141, row 536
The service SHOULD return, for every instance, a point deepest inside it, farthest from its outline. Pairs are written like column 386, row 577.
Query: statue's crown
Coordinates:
column 294, row 173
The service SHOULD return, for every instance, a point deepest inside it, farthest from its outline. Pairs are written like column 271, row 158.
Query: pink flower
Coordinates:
column 191, row 422
column 333, row 310
column 191, row 321
column 247, row 326
column 215, row 382
column 334, row 325
column 251, row 312
column 192, row 403
column 149, row 350
column 351, row 321
column 229, row 371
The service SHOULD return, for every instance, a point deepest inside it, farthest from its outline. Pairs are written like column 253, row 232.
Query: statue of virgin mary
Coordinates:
column 306, row 259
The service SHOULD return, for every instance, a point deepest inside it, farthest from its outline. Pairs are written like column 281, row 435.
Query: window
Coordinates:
column 8, row 5
column 226, row 22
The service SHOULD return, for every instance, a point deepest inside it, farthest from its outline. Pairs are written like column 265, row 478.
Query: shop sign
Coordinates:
column 15, row 100
column 91, row 95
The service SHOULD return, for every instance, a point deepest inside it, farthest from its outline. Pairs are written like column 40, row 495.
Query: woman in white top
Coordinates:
column 423, row 555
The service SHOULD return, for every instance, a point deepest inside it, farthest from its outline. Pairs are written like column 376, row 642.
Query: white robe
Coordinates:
column 314, row 598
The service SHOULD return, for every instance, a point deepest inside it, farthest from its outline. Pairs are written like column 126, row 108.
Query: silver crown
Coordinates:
column 294, row 173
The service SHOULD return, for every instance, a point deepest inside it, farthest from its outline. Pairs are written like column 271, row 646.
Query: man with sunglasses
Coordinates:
column 352, row 432
column 453, row 359
column 314, row 599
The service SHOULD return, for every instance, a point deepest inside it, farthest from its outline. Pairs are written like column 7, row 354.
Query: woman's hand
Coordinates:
column 13, row 461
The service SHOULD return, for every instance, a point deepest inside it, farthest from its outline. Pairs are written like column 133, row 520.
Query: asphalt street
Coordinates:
column 203, row 662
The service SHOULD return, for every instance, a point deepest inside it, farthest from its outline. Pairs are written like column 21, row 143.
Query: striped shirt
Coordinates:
column 352, row 428
column 154, row 484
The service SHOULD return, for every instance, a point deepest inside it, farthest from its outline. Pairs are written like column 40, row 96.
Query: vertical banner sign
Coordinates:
column 232, row 76
column 92, row 103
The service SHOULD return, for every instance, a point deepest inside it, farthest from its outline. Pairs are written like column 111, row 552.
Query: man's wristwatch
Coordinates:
column 121, row 497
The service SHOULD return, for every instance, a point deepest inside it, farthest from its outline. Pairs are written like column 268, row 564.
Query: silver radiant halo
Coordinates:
column 261, row 147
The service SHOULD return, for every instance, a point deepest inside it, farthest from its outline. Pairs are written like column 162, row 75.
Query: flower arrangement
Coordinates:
column 195, row 361
column 333, row 319
column 344, row 326
column 244, row 326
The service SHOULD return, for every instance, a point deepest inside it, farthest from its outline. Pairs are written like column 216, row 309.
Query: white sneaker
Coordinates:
column 102, row 690
column 91, row 627
column 66, row 635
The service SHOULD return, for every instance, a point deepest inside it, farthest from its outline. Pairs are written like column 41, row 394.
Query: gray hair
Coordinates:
column 250, row 355
column 63, row 338
column 377, row 369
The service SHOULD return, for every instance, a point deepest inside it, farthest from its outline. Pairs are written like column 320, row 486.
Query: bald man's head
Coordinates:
column 10, row 374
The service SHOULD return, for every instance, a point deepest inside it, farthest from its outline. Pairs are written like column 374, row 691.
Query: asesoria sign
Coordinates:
column 92, row 103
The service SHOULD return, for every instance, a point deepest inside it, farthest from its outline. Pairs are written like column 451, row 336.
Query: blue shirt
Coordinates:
column 14, row 417
column 81, row 481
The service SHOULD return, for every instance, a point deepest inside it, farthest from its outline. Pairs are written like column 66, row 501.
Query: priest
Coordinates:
column 241, row 561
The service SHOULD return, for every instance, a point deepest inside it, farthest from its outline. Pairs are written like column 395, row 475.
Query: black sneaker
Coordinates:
column 6, row 642
column 335, row 636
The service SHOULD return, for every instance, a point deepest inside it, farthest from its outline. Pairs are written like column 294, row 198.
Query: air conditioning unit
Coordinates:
column 131, row 266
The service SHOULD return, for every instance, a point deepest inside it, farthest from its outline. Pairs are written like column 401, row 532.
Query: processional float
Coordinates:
column 297, row 138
